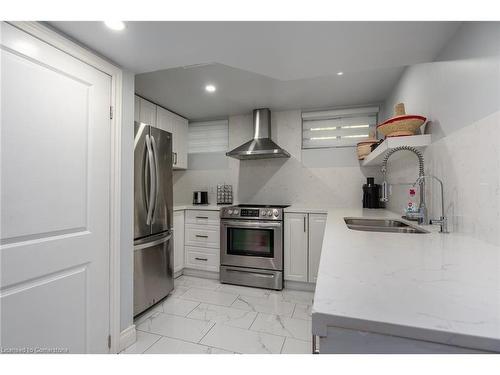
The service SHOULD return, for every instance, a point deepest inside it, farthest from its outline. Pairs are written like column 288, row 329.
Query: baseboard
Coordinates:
column 297, row 285
column 178, row 273
column 127, row 337
column 201, row 273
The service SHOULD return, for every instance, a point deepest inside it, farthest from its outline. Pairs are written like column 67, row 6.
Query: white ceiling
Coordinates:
column 240, row 91
column 276, row 64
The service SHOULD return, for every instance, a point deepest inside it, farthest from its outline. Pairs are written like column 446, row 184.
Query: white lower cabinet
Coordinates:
column 303, row 234
column 178, row 241
column 200, row 258
column 317, row 223
column 295, row 252
column 202, row 240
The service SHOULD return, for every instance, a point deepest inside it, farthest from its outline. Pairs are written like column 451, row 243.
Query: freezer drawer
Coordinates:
column 153, row 270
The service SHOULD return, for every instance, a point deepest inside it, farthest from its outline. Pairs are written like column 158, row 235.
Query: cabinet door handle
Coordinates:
column 202, row 217
column 203, row 259
column 305, row 230
column 200, row 236
column 174, row 154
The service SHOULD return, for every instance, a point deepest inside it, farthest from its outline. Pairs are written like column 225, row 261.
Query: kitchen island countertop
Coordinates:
column 443, row 288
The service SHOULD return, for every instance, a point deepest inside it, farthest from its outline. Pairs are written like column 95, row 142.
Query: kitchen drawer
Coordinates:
column 201, row 217
column 202, row 236
column 200, row 259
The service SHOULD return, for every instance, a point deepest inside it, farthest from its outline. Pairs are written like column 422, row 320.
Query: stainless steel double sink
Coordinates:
column 382, row 225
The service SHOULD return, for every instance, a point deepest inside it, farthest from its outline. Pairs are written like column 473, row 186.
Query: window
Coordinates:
column 338, row 128
column 208, row 136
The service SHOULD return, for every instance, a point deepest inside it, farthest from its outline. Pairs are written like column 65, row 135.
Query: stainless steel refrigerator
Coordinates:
column 153, row 225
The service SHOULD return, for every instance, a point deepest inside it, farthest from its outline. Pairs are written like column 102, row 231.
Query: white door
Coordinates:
column 295, row 247
column 317, row 224
column 55, row 183
column 178, row 241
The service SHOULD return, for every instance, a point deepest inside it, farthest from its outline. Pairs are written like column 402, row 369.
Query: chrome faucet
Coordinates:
column 443, row 220
column 422, row 215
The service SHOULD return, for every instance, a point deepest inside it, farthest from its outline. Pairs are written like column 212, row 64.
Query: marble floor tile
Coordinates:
column 283, row 326
column 242, row 340
column 302, row 312
column 294, row 346
column 167, row 345
column 143, row 342
column 178, row 291
column 209, row 296
column 297, row 296
column 224, row 315
column 177, row 306
column 244, row 291
column 176, row 327
column 145, row 316
column 197, row 282
column 273, row 304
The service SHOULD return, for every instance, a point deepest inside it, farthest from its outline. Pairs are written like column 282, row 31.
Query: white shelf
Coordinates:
column 377, row 156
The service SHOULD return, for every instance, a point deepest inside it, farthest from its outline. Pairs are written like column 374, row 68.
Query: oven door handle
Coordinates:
column 250, row 224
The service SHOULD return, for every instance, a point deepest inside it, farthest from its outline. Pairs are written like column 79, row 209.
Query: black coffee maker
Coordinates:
column 371, row 194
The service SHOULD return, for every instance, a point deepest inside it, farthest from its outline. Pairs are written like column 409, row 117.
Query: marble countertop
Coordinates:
column 213, row 207
column 307, row 209
column 443, row 288
column 209, row 207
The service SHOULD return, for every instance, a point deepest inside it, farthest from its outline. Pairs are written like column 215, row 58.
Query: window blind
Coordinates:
column 338, row 128
column 208, row 136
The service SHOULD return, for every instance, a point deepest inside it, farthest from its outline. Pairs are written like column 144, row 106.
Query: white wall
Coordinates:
column 460, row 96
column 309, row 177
column 127, row 201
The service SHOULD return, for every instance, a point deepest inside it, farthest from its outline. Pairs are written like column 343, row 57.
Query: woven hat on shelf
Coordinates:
column 401, row 124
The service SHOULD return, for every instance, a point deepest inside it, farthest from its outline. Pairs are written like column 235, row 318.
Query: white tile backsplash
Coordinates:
column 312, row 177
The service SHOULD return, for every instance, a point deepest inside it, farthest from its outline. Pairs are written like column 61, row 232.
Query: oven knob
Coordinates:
column 269, row 213
column 230, row 212
column 236, row 212
column 275, row 212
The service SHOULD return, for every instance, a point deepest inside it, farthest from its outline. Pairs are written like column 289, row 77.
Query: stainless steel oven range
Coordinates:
column 251, row 238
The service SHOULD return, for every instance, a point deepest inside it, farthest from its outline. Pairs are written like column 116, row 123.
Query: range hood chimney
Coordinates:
column 261, row 146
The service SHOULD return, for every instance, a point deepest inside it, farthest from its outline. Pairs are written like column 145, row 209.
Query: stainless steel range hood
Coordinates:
column 261, row 146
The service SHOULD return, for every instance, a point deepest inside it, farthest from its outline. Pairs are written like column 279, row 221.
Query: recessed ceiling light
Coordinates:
column 115, row 25
column 210, row 88
column 340, row 73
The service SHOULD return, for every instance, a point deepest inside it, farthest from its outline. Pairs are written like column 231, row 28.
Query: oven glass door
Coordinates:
column 250, row 242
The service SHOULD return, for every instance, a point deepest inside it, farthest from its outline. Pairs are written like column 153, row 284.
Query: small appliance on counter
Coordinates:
column 200, row 198
column 224, row 194
column 371, row 194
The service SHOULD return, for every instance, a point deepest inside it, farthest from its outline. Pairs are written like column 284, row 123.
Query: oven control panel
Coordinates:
column 248, row 212
column 258, row 213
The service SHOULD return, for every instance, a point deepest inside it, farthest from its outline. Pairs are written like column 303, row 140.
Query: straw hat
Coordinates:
column 401, row 124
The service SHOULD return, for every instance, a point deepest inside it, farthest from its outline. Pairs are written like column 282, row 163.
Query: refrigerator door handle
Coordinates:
column 152, row 180
column 153, row 243
column 155, row 158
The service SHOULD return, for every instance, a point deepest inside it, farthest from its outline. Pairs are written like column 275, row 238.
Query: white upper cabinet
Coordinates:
column 295, row 244
column 317, row 223
column 164, row 119
column 147, row 112
column 161, row 118
column 180, row 142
